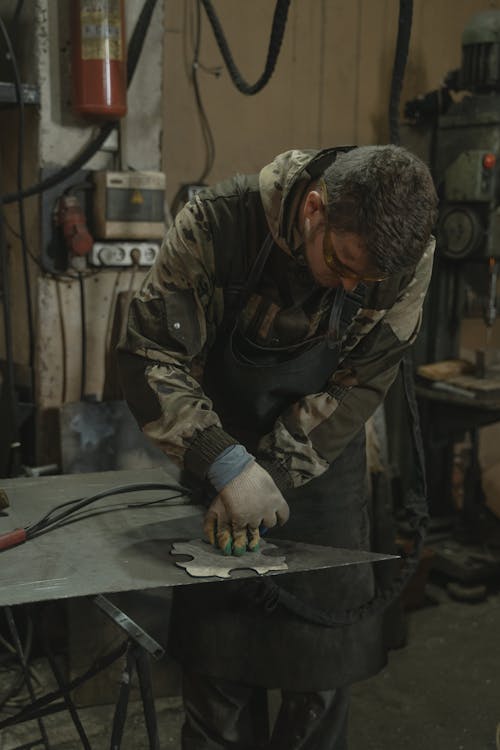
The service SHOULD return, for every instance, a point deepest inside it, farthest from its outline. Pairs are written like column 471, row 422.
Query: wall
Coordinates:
column 61, row 137
column 331, row 84
column 53, row 137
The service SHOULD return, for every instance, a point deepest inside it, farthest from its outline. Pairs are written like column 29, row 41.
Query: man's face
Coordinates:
column 334, row 258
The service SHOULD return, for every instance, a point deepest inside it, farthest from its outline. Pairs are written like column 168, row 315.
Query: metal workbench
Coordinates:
column 116, row 550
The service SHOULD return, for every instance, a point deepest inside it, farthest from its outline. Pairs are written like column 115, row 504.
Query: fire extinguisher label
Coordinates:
column 101, row 30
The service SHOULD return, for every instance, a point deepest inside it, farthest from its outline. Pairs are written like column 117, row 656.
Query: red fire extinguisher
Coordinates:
column 99, row 58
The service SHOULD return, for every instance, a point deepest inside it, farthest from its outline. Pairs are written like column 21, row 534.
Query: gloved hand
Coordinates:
column 250, row 499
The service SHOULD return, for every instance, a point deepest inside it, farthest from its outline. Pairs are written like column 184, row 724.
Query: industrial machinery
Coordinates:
column 462, row 123
column 456, row 129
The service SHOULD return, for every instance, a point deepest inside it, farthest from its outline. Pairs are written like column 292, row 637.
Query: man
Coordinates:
column 266, row 334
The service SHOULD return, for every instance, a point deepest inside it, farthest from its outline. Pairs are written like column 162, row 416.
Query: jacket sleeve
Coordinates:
column 311, row 433
column 171, row 325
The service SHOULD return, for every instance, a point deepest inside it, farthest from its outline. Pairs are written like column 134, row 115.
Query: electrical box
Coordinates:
column 129, row 205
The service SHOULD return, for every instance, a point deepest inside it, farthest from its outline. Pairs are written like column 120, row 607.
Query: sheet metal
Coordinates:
column 123, row 550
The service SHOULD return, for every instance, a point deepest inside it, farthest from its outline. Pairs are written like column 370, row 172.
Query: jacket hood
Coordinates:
column 282, row 184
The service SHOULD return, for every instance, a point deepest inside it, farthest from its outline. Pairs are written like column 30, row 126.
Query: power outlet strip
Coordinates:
column 124, row 253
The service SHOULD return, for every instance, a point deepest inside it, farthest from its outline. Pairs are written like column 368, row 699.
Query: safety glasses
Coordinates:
column 333, row 261
column 335, row 264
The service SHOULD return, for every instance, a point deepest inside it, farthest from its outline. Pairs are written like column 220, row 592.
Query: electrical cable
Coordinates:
column 204, row 123
column 64, row 346
column 16, row 14
column 81, row 515
column 60, row 514
column 36, row 709
column 277, row 33
column 18, row 236
column 68, row 275
column 83, row 322
column 134, row 50
column 10, row 227
column 65, row 510
column 56, row 671
column 206, row 130
column 9, row 378
column 400, row 58
column 18, row 680
column 22, row 220
column 27, row 677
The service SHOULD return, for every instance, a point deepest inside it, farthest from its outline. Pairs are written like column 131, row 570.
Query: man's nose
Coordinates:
column 349, row 284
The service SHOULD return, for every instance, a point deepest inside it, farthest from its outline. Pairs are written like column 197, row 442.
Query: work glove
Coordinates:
column 248, row 501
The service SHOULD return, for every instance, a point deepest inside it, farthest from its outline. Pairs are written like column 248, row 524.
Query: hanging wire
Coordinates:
column 277, row 34
column 13, row 458
column 16, row 15
column 83, row 323
column 202, row 115
column 398, row 71
column 22, row 220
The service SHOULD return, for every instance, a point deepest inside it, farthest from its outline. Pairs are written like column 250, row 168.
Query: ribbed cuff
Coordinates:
column 278, row 474
column 228, row 465
column 204, row 448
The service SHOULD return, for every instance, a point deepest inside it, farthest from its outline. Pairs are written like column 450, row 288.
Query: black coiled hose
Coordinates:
column 277, row 33
column 402, row 45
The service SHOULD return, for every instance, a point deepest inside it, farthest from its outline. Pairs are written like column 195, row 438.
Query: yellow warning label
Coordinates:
column 101, row 30
column 137, row 197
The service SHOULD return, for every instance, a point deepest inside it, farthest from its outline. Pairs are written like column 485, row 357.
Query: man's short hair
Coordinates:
column 386, row 195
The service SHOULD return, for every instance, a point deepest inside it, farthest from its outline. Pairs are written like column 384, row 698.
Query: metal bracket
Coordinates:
column 132, row 629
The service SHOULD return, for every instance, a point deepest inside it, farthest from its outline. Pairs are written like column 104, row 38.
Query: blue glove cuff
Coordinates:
column 228, row 465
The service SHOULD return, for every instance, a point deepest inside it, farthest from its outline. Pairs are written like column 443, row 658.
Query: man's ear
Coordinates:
column 313, row 205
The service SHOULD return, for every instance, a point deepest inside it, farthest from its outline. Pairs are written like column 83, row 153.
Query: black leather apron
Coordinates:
column 215, row 628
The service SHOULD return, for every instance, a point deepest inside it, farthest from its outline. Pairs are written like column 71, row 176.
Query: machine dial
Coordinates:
column 459, row 232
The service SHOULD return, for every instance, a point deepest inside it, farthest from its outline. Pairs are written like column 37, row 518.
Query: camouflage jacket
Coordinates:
column 174, row 319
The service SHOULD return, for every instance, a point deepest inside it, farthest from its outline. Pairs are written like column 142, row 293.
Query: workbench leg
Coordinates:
column 143, row 667
column 62, row 687
column 120, row 715
column 26, row 672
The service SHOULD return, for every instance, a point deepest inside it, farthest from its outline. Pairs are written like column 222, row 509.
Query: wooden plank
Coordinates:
column 59, row 350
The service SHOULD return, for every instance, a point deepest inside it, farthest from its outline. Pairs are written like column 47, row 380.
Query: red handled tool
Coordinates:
column 73, row 510
column 12, row 538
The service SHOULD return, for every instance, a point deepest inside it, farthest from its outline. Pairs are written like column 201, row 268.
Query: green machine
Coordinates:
column 456, row 129
column 460, row 125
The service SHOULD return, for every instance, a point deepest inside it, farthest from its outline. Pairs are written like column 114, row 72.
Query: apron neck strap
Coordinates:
column 255, row 272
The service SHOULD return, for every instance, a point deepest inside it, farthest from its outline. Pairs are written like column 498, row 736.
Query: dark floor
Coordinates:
column 440, row 692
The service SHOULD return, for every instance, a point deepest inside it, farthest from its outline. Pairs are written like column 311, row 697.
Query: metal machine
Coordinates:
column 456, row 129
column 462, row 126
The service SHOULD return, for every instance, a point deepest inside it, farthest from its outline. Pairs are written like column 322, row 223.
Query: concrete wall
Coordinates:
column 53, row 137
column 61, row 136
